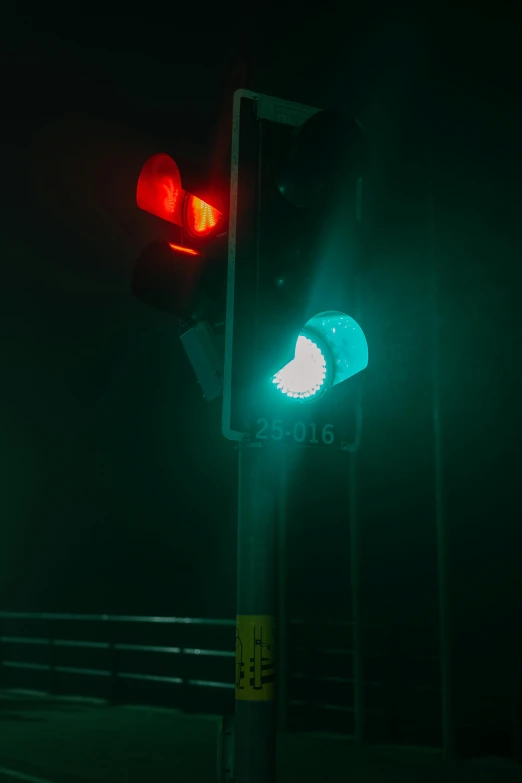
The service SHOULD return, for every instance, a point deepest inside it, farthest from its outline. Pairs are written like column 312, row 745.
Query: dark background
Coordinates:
column 118, row 492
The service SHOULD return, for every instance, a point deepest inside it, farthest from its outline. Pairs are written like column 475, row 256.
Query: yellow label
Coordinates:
column 255, row 665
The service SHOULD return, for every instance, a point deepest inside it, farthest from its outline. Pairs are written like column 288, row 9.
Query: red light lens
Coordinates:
column 159, row 189
column 188, row 250
column 200, row 218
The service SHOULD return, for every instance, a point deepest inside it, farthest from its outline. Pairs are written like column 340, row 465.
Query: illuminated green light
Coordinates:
column 305, row 376
column 331, row 348
column 344, row 340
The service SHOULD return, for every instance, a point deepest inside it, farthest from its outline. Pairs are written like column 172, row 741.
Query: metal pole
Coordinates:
column 355, row 572
column 357, row 658
column 442, row 545
column 440, row 515
column 255, row 716
column 282, row 615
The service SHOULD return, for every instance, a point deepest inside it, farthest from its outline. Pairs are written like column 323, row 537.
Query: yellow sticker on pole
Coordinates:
column 255, row 664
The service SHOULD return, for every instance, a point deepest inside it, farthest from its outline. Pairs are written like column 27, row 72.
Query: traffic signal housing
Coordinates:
column 296, row 246
column 186, row 276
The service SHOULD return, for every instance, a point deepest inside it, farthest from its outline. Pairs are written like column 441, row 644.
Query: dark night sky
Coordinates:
column 118, row 490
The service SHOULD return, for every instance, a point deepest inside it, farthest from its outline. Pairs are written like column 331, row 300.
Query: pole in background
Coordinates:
column 357, row 656
column 355, row 555
column 255, row 715
column 442, row 545
column 440, row 515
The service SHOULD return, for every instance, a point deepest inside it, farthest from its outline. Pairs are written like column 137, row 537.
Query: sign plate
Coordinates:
column 298, row 431
column 318, row 429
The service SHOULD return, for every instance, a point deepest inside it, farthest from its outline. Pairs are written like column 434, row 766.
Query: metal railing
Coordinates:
column 189, row 663
column 57, row 652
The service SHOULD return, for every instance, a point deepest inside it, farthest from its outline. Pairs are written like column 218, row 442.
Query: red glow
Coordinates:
column 200, row 218
column 159, row 189
column 188, row 250
column 171, row 195
column 159, row 192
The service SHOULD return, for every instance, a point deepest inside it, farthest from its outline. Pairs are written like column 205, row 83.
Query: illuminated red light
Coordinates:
column 188, row 250
column 159, row 189
column 159, row 192
column 172, row 194
column 200, row 218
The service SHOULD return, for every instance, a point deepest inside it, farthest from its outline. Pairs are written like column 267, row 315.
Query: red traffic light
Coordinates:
column 200, row 218
column 159, row 192
column 159, row 189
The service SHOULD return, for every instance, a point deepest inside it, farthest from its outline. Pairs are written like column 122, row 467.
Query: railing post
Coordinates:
column 113, row 652
column 225, row 749
column 185, row 695
column 52, row 661
column 1, row 651
column 392, row 684
column 517, row 717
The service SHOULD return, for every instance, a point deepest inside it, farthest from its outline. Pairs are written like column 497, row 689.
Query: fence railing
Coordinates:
column 189, row 663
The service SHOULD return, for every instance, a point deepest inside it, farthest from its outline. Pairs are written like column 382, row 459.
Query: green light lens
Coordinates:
column 303, row 377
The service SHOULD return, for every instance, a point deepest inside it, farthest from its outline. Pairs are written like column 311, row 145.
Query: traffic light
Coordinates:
column 296, row 248
column 330, row 348
column 185, row 276
column 159, row 192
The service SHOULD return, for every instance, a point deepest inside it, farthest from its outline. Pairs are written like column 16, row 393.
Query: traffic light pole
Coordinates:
column 255, row 714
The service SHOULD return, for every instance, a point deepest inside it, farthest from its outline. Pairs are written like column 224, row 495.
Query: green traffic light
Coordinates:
column 307, row 375
column 330, row 348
